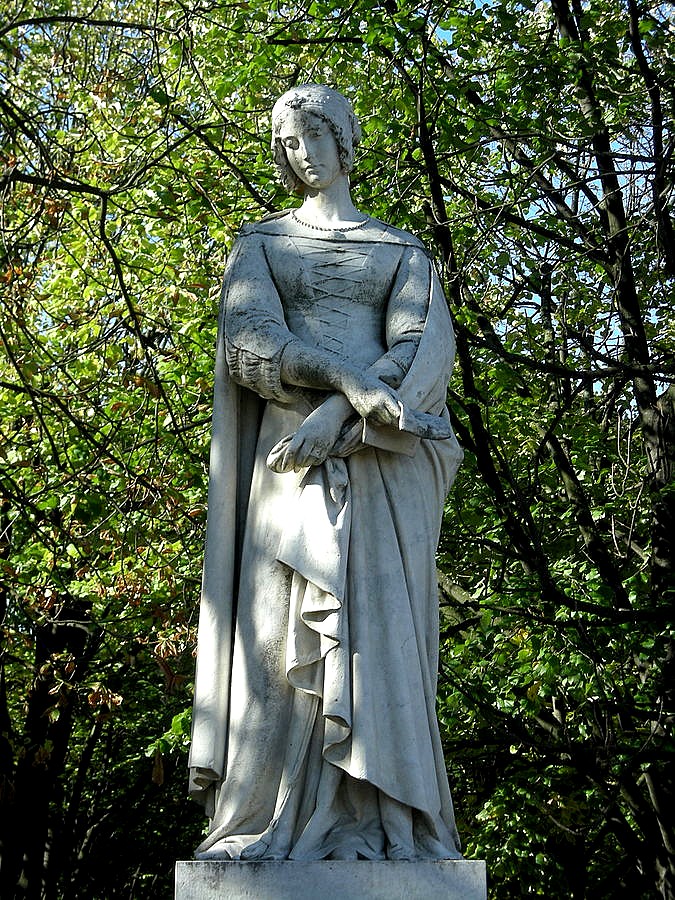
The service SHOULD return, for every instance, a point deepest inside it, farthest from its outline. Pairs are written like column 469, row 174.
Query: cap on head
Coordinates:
column 328, row 105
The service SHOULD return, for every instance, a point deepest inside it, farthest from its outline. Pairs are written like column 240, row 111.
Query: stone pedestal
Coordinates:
column 331, row 880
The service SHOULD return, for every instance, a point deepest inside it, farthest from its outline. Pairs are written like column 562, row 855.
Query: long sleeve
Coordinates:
column 407, row 312
column 255, row 332
column 420, row 348
column 418, row 317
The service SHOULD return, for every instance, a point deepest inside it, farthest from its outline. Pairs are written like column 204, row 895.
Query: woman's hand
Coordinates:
column 372, row 399
column 309, row 446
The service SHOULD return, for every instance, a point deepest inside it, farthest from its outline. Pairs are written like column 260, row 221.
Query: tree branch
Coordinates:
column 76, row 20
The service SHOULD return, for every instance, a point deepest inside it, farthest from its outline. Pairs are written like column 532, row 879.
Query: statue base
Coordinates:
column 447, row 879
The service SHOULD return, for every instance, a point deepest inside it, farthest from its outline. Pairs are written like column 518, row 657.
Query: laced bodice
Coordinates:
column 335, row 295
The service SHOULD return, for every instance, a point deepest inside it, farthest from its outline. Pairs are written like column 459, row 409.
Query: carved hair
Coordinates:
column 326, row 104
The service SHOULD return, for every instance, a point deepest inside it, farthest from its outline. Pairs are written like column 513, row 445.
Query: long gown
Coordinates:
column 315, row 733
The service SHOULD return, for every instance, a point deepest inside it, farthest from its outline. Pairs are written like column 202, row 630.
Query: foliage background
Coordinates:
column 530, row 145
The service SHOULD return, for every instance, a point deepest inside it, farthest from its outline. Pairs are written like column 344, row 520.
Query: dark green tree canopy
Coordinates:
column 530, row 145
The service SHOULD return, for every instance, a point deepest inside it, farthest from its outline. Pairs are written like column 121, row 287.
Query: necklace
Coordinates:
column 320, row 228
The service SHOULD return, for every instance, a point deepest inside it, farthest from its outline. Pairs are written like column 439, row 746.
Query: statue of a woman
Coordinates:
column 315, row 734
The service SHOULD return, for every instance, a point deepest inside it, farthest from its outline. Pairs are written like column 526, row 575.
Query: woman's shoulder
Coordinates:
column 398, row 235
column 271, row 223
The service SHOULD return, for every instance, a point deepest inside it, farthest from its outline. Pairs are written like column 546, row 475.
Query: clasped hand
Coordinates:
column 373, row 399
column 310, row 445
column 314, row 440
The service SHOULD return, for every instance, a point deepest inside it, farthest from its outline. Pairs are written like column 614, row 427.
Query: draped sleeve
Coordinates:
column 255, row 330
column 405, row 318
column 418, row 315
column 420, row 349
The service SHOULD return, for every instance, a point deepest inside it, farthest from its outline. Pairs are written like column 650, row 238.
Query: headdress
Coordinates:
column 328, row 105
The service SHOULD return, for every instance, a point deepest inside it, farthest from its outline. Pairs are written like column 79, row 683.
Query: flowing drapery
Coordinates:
column 315, row 731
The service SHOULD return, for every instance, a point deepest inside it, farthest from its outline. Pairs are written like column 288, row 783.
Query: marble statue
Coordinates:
column 315, row 734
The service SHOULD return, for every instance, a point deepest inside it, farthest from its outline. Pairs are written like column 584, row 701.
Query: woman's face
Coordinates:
column 311, row 149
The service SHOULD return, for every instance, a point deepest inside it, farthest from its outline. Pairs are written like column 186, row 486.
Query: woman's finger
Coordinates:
column 387, row 413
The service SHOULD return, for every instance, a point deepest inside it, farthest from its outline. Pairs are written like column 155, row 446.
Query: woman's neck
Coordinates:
column 331, row 206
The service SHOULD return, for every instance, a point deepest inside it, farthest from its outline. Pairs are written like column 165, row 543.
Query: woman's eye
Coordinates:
column 291, row 143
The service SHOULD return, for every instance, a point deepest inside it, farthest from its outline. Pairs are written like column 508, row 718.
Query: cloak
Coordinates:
column 315, row 538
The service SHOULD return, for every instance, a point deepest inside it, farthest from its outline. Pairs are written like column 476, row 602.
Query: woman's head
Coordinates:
column 326, row 105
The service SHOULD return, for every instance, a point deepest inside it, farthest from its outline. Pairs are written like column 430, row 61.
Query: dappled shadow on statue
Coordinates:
column 315, row 734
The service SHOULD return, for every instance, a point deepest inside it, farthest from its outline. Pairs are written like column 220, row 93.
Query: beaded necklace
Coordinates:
column 322, row 228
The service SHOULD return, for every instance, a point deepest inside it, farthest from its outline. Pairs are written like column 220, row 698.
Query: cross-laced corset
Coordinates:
column 334, row 294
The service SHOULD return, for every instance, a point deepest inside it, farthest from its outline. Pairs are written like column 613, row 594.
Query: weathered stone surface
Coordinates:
column 331, row 880
column 314, row 731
